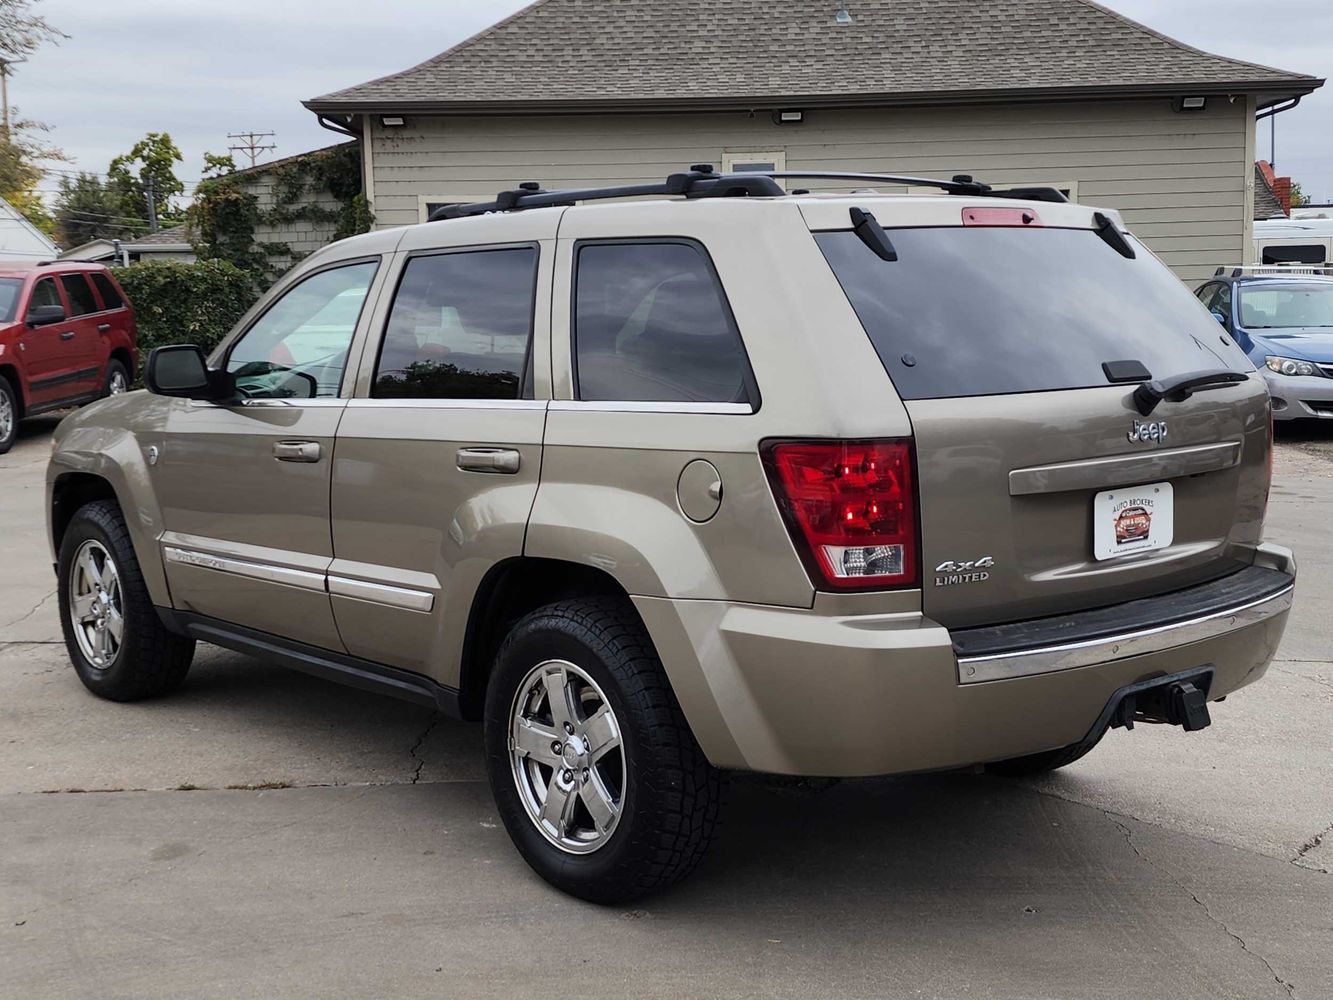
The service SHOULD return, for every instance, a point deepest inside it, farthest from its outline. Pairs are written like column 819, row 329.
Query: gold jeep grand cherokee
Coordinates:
column 725, row 479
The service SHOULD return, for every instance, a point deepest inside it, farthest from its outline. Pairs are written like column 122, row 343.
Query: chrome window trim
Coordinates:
column 319, row 401
column 1050, row 659
column 636, row 406
column 305, row 579
column 412, row 403
column 381, row 593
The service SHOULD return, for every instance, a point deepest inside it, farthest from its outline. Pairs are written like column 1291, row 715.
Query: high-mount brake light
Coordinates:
column 1015, row 218
column 851, row 509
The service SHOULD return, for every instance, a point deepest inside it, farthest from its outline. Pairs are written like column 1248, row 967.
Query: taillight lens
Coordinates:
column 851, row 506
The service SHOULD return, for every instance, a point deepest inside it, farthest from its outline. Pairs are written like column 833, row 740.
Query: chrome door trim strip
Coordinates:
column 1124, row 470
column 1049, row 659
column 362, row 403
column 267, row 572
column 600, row 406
column 381, row 593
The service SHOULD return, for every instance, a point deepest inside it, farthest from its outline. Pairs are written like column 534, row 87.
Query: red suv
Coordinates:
column 67, row 337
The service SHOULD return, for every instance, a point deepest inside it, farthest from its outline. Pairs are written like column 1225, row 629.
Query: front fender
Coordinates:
column 105, row 441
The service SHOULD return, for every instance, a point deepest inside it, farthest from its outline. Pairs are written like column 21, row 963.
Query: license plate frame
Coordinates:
column 1133, row 520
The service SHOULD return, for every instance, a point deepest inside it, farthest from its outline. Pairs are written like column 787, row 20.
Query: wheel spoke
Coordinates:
column 602, row 732
column 532, row 739
column 559, row 696
column 88, row 566
column 115, row 625
column 558, row 808
column 599, row 804
column 99, row 643
column 81, row 608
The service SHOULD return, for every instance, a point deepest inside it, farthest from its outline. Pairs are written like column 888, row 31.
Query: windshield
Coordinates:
column 1275, row 307
column 10, row 288
column 973, row 311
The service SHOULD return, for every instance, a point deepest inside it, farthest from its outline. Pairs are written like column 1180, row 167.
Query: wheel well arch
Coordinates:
column 122, row 355
column 71, row 491
column 10, row 374
column 510, row 590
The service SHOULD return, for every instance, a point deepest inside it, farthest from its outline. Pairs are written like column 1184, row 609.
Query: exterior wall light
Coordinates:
column 393, row 121
column 1189, row 104
column 788, row 117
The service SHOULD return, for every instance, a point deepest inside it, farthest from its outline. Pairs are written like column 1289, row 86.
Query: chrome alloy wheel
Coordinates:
column 95, row 608
column 118, row 383
column 567, row 756
column 6, row 416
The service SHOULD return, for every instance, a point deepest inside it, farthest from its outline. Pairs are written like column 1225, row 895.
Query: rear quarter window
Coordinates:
column 80, row 293
column 969, row 311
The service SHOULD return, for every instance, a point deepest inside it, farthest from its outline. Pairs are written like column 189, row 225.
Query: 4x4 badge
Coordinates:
column 1155, row 431
column 952, row 573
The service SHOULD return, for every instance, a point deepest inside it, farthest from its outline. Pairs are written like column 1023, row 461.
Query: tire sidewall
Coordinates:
column 81, row 529
column 535, row 642
column 7, row 390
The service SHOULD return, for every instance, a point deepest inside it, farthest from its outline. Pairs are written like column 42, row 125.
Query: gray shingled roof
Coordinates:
column 1266, row 205
column 704, row 52
column 175, row 236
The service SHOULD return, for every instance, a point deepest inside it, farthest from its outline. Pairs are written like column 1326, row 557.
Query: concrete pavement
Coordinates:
column 262, row 834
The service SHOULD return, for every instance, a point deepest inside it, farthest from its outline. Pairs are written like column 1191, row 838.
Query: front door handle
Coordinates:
column 501, row 460
column 103, row 327
column 67, row 335
column 296, row 451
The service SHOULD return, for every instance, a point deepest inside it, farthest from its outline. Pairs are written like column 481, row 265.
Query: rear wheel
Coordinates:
column 594, row 770
column 9, row 415
column 117, row 379
column 119, row 648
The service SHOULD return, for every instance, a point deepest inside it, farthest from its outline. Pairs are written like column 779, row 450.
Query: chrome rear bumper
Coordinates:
column 1208, row 611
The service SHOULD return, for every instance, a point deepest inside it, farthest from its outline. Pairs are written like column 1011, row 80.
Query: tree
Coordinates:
column 1298, row 197
column 87, row 209
column 152, row 159
column 21, row 145
column 22, row 31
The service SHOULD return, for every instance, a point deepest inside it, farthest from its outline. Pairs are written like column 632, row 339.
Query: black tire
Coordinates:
column 9, row 402
column 149, row 660
column 114, row 368
column 1040, row 763
column 670, row 795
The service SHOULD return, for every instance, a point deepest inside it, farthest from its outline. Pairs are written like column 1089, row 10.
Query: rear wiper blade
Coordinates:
column 1178, row 388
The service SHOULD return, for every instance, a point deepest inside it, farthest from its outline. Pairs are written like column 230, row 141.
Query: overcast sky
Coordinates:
column 199, row 69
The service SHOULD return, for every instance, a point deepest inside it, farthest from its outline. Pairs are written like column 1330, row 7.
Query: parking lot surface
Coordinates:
column 263, row 833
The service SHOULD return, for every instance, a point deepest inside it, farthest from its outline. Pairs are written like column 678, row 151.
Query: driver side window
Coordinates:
column 298, row 347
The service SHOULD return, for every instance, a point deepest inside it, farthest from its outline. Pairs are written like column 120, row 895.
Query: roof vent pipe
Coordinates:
column 844, row 16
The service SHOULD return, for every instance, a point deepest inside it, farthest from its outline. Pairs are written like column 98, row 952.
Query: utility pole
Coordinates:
column 251, row 144
column 152, row 205
column 5, row 63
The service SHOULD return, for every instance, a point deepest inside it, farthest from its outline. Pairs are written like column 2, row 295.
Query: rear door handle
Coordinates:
column 500, row 460
column 103, row 327
column 296, row 451
column 67, row 335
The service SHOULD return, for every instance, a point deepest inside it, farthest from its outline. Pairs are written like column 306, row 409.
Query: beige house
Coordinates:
column 1033, row 92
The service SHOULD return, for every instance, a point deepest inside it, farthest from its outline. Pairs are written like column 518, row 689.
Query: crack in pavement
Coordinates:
column 1310, row 845
column 1304, row 677
column 1290, row 988
column 33, row 611
column 421, row 761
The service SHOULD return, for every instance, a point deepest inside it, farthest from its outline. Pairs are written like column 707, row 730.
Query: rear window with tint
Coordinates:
column 81, row 300
column 968, row 311
column 110, row 297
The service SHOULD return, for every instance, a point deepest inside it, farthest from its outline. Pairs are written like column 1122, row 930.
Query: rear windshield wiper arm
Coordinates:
column 1178, row 388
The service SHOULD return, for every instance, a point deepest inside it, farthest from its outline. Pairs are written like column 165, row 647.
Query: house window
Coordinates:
column 739, row 161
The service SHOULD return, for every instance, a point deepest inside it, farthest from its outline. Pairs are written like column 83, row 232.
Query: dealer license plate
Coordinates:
column 1134, row 519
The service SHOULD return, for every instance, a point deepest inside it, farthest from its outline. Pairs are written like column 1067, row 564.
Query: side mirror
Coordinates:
column 180, row 370
column 1220, row 318
column 46, row 315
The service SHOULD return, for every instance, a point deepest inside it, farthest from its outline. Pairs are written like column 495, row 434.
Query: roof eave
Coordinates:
column 1269, row 92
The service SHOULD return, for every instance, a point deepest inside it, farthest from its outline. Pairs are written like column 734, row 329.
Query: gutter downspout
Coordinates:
column 1273, row 112
column 367, row 177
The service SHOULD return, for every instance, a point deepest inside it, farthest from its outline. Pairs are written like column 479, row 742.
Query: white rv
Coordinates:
column 1303, row 245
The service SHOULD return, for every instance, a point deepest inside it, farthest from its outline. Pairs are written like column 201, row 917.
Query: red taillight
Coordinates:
column 851, row 505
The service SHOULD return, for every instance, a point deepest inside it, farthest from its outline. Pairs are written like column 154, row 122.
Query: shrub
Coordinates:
column 185, row 303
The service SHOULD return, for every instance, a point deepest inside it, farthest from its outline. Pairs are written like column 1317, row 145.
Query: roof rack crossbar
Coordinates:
column 702, row 181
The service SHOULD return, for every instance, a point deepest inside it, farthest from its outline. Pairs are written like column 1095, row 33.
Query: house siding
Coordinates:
column 1182, row 181
column 302, row 236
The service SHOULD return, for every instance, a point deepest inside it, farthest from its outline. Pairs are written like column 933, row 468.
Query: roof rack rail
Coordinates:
column 1270, row 270
column 703, row 181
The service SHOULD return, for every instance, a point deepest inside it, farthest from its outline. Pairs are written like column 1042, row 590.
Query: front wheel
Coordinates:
column 9, row 415
column 120, row 650
column 595, row 772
